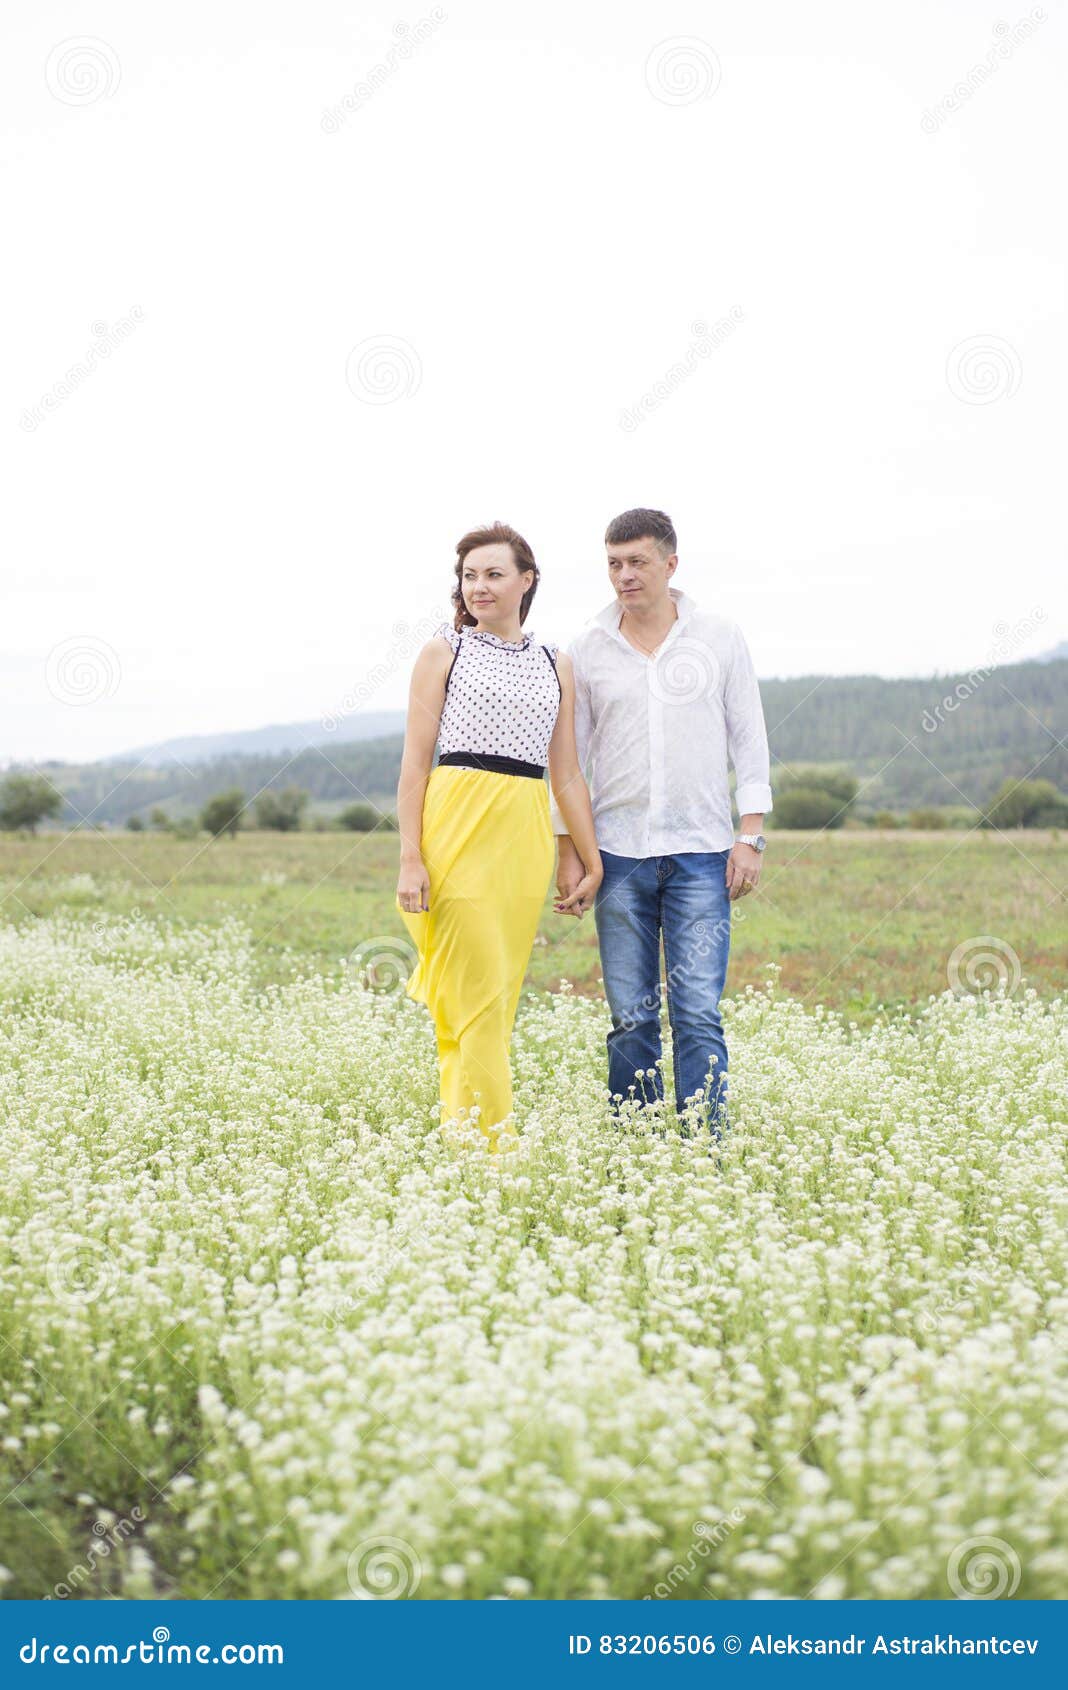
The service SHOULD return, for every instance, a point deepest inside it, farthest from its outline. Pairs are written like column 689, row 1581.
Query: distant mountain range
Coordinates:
column 950, row 739
column 277, row 739
column 283, row 738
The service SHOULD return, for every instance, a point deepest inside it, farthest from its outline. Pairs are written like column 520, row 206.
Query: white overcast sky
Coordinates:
column 217, row 529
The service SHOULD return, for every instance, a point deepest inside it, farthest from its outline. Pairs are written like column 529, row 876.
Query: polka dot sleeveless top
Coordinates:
column 502, row 696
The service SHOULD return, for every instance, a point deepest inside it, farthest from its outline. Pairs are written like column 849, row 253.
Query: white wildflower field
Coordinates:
column 266, row 1330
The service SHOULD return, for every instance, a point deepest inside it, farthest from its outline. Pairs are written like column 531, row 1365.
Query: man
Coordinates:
column 665, row 696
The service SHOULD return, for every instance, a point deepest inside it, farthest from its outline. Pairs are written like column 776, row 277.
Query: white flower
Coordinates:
column 324, row 1322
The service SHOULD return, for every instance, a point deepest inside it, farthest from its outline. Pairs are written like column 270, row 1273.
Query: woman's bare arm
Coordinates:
column 426, row 697
column 583, row 869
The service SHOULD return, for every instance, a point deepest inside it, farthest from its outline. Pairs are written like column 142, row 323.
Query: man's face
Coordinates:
column 638, row 570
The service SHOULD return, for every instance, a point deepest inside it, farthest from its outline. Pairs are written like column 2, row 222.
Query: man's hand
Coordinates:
column 583, row 897
column 570, row 874
column 743, row 871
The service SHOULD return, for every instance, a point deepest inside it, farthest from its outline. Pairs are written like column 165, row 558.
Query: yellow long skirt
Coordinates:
column 488, row 847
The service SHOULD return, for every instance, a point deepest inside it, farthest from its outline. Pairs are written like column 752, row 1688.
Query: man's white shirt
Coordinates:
column 655, row 734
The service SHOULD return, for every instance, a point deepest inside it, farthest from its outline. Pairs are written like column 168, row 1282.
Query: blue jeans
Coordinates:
column 686, row 898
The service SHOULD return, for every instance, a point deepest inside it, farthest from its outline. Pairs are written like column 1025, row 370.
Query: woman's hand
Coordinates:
column 413, row 887
column 582, row 898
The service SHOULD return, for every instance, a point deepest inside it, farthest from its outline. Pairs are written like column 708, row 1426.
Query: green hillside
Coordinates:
column 906, row 744
column 997, row 724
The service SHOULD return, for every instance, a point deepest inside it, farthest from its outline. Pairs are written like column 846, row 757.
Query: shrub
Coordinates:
column 1026, row 803
column 281, row 811
column 837, row 782
column 807, row 806
column 26, row 800
column 359, row 818
column 222, row 814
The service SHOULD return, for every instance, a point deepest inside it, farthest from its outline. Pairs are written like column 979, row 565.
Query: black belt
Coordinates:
column 496, row 765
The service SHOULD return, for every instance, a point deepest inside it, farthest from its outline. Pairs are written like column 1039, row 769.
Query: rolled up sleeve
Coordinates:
column 747, row 739
column 583, row 735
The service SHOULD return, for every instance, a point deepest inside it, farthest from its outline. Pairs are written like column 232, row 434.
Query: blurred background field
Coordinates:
column 856, row 919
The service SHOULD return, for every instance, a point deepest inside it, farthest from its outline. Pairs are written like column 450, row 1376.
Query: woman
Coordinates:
column 476, row 838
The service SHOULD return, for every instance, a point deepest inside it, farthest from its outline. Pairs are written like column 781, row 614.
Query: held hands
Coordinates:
column 743, row 871
column 582, row 897
column 576, row 888
column 413, row 887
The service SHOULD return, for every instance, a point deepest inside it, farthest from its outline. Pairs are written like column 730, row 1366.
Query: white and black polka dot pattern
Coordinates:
column 502, row 697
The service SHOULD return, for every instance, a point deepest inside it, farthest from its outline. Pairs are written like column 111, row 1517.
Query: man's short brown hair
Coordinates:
column 640, row 525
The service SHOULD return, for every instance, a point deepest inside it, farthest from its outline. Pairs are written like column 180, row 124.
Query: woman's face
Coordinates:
column 492, row 586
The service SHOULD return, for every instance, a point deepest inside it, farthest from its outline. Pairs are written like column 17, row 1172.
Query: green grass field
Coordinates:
column 268, row 1329
column 854, row 920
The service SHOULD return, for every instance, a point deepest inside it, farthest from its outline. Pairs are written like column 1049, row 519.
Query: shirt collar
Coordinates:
column 609, row 617
column 495, row 639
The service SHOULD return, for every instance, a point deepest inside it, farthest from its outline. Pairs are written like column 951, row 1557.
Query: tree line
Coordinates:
column 27, row 800
column 810, row 797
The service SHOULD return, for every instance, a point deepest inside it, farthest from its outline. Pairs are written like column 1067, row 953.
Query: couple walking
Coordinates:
column 654, row 698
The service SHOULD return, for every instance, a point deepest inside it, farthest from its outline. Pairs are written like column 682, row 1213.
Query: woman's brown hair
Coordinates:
column 495, row 533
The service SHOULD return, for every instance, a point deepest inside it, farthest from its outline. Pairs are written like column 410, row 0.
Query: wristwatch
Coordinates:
column 756, row 840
